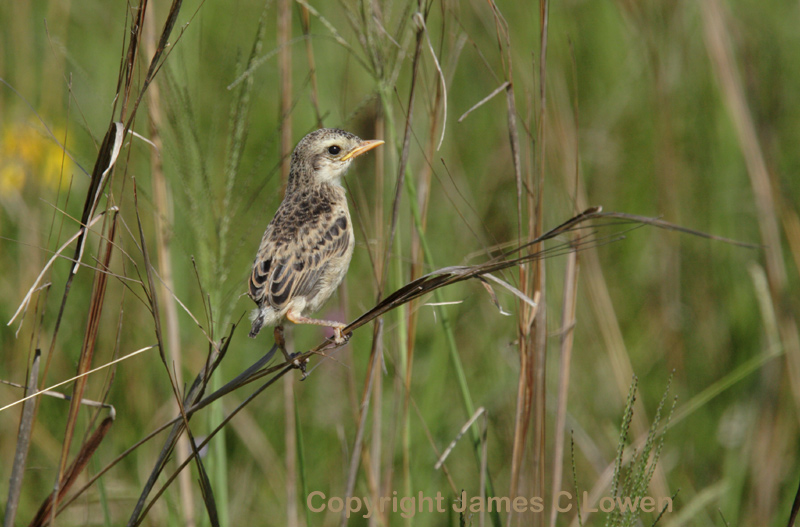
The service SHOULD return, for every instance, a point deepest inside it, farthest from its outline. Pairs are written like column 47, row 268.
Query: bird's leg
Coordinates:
column 281, row 343
column 338, row 337
column 337, row 327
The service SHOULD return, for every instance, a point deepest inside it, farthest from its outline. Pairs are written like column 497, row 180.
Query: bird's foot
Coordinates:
column 340, row 338
column 291, row 358
column 298, row 364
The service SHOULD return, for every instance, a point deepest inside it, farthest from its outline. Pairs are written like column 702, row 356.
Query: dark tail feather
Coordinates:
column 256, row 327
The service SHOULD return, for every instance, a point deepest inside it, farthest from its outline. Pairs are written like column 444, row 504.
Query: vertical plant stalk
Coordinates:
column 102, row 173
column 85, row 362
column 373, row 382
column 219, row 260
column 162, row 219
column 525, row 384
column 23, row 443
column 407, row 354
column 722, row 59
column 373, row 372
column 101, row 177
column 375, row 465
column 448, row 330
column 102, row 166
column 312, row 66
column 596, row 290
column 535, row 221
column 363, row 409
column 290, row 432
column 285, row 75
column 394, row 243
column 49, row 509
column 284, row 35
column 567, row 333
column 452, row 347
column 301, row 462
column 152, row 295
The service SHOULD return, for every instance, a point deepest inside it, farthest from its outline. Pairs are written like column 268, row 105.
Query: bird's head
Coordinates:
column 323, row 156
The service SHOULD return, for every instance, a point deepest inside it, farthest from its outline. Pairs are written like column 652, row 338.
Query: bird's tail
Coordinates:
column 257, row 316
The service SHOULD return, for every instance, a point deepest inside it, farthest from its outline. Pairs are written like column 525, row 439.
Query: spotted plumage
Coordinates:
column 306, row 249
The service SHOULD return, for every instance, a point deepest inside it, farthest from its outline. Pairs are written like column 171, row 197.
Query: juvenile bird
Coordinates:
column 306, row 249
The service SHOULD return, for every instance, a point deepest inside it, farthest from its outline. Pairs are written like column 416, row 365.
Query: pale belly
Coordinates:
column 331, row 278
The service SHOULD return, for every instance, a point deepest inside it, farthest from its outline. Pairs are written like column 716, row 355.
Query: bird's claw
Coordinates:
column 340, row 338
column 298, row 364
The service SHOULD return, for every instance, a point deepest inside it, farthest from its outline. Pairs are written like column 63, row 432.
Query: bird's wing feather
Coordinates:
column 283, row 271
column 262, row 266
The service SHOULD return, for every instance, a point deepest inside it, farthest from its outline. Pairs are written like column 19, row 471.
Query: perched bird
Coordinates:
column 306, row 249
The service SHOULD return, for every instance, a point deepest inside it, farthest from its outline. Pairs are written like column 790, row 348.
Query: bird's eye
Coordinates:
column 333, row 150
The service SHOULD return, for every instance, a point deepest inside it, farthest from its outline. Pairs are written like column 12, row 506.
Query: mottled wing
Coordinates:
column 288, row 270
column 262, row 266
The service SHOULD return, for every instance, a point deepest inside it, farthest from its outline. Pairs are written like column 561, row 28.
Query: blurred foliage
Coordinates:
column 634, row 110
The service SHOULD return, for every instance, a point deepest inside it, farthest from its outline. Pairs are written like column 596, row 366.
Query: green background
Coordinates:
column 683, row 111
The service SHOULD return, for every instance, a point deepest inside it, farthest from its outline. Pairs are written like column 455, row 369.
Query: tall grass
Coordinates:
column 482, row 339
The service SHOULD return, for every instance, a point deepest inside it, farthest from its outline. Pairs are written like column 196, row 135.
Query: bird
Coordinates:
column 307, row 247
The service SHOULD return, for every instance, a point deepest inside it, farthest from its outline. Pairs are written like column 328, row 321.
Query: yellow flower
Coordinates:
column 12, row 178
column 51, row 167
column 29, row 145
column 27, row 152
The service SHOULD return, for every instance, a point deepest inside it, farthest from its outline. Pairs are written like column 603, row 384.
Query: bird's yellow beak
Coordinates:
column 363, row 146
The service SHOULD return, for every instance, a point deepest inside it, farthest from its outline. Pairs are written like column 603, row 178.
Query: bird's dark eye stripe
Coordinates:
column 334, row 149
